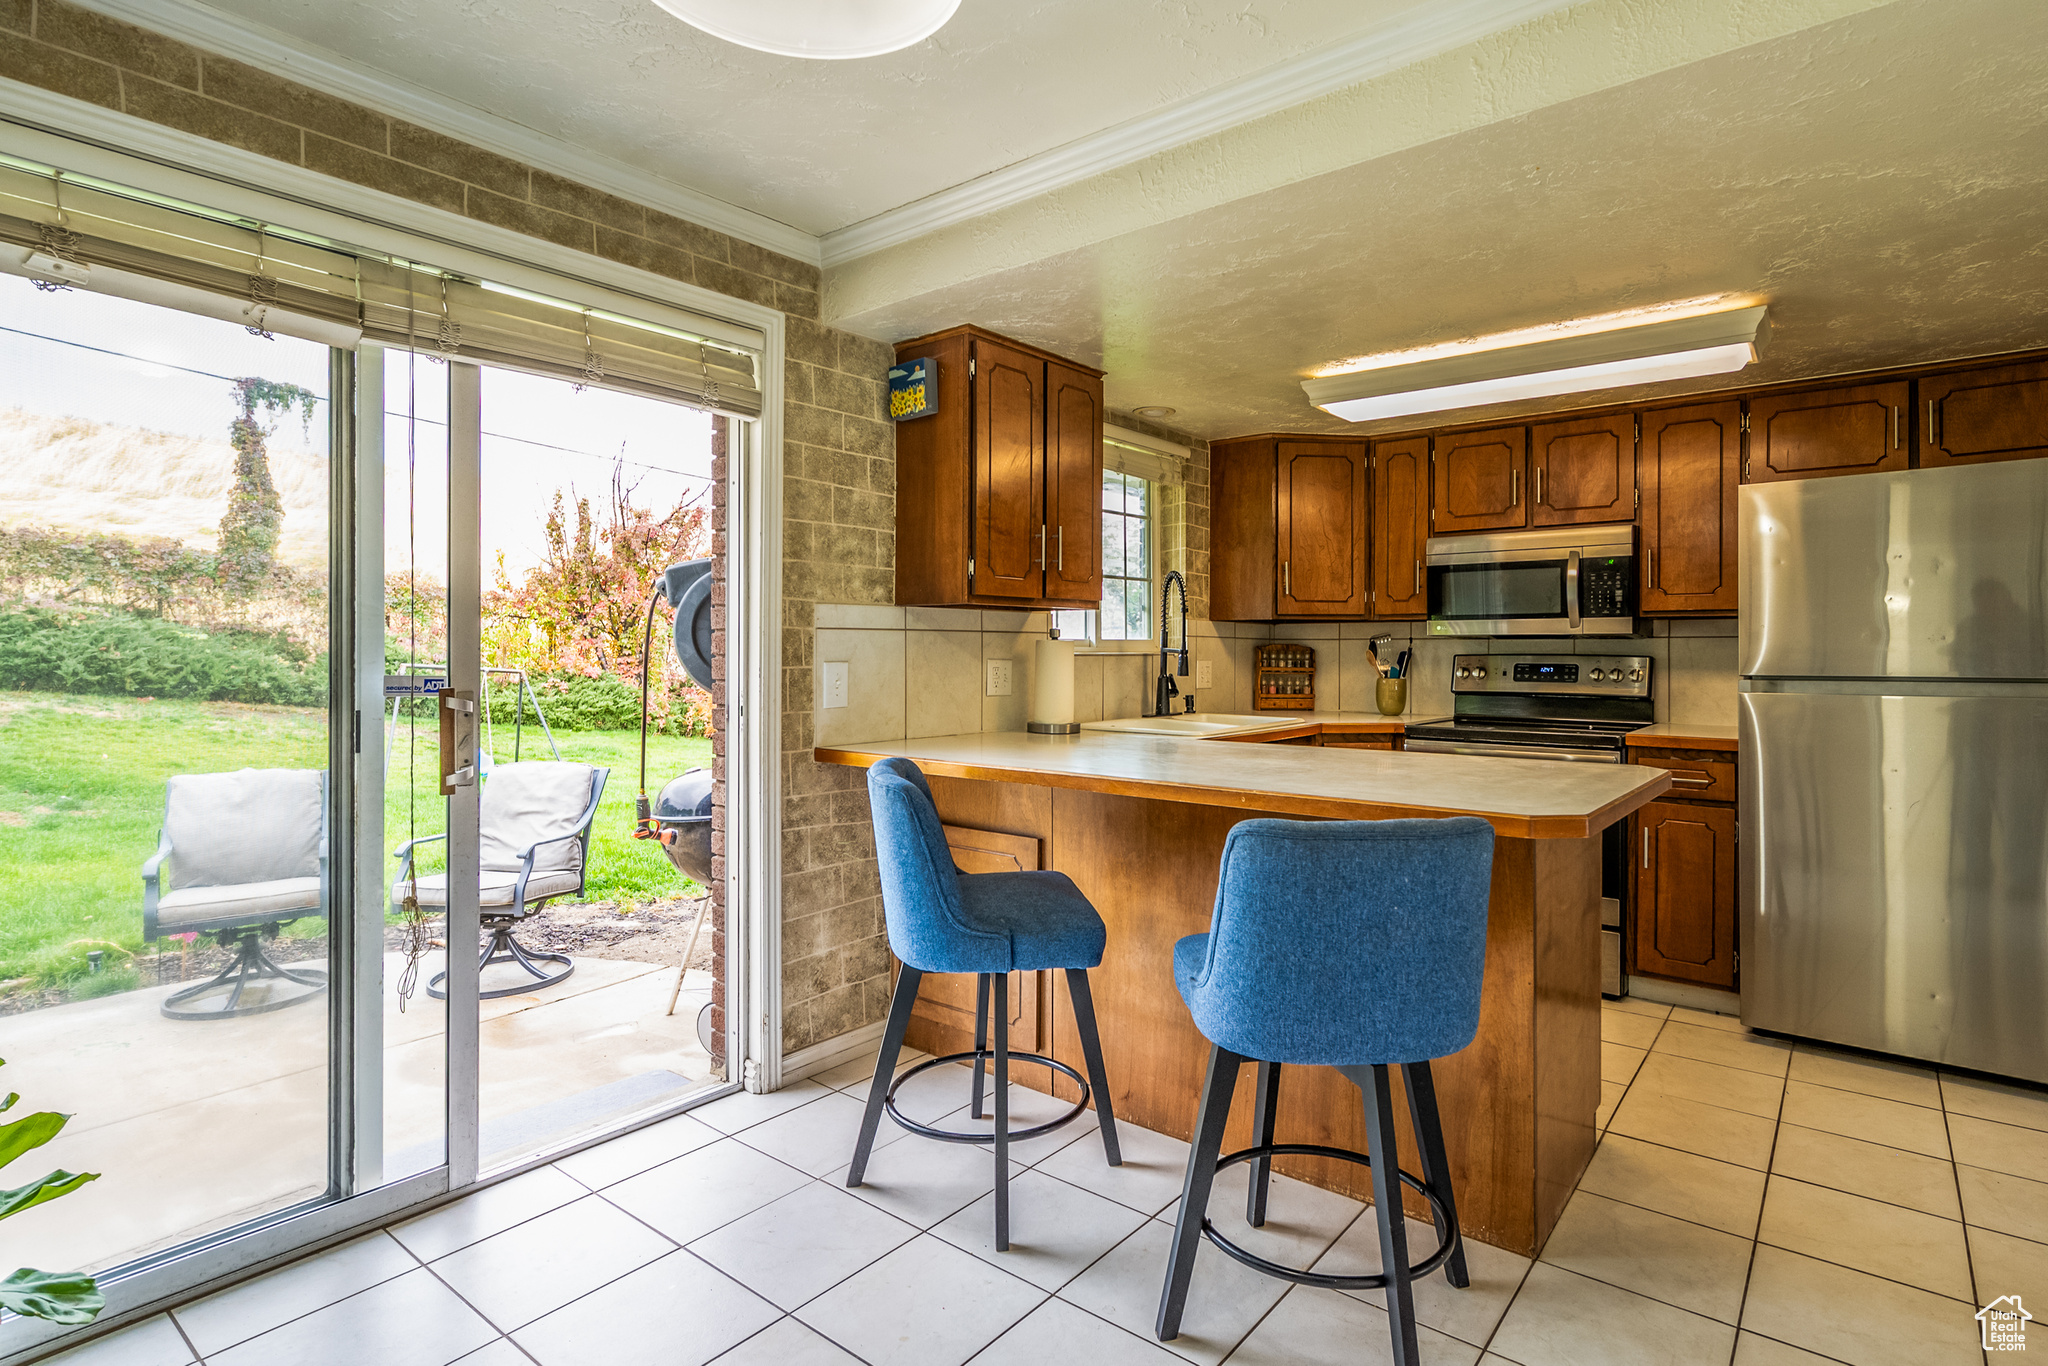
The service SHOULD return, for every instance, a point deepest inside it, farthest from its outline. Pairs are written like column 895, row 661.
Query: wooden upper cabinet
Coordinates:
column 999, row 492
column 1984, row 415
column 1829, row 431
column 1685, row 892
column 1320, row 523
column 1243, row 530
column 1009, row 472
column 1690, row 465
column 1073, row 482
column 1583, row 471
column 1400, row 527
column 1478, row 483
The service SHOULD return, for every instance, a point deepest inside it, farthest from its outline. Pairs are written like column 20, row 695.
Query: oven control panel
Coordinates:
column 1537, row 675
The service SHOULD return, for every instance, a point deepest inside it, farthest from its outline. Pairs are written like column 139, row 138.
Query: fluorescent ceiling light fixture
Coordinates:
column 830, row 30
column 1686, row 347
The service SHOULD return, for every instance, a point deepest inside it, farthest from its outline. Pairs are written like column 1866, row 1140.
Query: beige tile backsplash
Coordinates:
column 921, row 671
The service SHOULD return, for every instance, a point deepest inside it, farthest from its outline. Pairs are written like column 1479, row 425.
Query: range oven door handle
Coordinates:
column 1414, row 745
column 1571, row 590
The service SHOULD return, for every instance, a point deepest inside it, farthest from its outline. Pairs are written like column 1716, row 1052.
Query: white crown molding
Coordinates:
column 204, row 27
column 1437, row 28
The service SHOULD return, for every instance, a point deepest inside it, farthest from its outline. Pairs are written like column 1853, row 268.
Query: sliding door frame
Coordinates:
column 57, row 130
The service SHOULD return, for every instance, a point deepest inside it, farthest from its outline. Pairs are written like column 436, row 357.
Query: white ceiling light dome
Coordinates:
column 830, row 30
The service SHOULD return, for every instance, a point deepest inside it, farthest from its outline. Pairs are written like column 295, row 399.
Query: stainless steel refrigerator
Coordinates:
column 1894, row 788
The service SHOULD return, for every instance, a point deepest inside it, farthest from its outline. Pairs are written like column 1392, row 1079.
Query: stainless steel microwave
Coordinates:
column 1561, row 581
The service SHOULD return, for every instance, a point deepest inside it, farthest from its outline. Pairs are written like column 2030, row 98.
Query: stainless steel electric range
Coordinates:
column 1567, row 708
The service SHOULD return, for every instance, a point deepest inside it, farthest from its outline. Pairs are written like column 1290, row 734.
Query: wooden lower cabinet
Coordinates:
column 1684, row 862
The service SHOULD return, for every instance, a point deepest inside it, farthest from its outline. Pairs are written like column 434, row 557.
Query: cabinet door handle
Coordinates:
column 1691, row 779
column 1646, row 846
column 1895, row 426
column 1060, row 548
column 1041, row 545
column 1539, row 483
column 1932, row 439
column 1514, row 488
column 1286, row 578
column 1418, row 579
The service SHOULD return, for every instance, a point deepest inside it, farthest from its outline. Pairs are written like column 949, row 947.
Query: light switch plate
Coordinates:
column 1205, row 674
column 834, row 685
column 1001, row 677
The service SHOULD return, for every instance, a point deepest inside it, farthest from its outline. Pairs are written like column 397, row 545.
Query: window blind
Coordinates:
column 60, row 227
column 1148, row 457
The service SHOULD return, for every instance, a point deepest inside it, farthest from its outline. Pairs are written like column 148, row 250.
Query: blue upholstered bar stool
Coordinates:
column 1357, row 945
column 989, row 924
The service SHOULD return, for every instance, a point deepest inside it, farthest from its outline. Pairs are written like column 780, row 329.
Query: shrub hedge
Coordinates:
column 135, row 656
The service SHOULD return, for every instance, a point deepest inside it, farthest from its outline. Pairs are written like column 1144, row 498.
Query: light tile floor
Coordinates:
column 1750, row 1204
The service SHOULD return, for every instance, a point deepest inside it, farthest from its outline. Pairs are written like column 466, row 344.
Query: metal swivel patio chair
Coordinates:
column 247, row 856
column 534, row 840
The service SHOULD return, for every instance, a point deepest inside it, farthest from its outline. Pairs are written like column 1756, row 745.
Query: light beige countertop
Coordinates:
column 1670, row 735
column 1523, row 798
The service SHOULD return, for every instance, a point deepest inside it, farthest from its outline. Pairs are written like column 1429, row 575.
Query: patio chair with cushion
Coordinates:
column 534, row 840
column 247, row 856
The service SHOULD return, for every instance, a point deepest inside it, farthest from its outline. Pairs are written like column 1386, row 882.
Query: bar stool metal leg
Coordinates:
column 980, row 1037
column 1264, row 1109
column 1436, row 1165
column 1091, row 1050
column 1384, row 1151
column 1194, row 1196
column 1002, row 1108
column 907, row 980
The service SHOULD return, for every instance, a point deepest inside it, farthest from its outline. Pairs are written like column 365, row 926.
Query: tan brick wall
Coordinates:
column 840, row 485
column 839, row 529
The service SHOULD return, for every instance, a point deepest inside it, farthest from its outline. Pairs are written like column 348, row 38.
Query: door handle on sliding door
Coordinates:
column 458, row 740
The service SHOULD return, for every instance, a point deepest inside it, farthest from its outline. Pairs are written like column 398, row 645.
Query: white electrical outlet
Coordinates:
column 1205, row 674
column 834, row 685
column 1001, row 677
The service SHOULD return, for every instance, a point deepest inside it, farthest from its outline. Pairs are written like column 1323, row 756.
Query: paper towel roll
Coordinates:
column 1052, row 684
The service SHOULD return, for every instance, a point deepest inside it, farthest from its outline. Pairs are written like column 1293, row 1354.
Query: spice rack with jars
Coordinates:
column 1286, row 678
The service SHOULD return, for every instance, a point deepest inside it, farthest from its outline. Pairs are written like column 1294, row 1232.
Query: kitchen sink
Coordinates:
column 1199, row 725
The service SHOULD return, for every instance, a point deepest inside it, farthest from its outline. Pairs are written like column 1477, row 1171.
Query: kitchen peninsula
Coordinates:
column 1139, row 822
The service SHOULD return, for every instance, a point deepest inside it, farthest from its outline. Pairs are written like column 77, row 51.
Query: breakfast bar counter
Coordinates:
column 1138, row 822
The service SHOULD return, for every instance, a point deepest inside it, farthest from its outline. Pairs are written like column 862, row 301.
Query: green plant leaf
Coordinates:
column 31, row 1131
column 67, row 1297
column 36, row 1192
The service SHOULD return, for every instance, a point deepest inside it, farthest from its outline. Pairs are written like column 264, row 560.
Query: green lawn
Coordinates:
column 81, row 798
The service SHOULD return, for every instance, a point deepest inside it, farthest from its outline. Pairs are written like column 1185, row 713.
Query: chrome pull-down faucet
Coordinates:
column 1166, row 689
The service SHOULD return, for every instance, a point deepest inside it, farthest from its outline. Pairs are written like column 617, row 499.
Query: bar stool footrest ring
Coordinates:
column 1449, row 1244
column 1016, row 1135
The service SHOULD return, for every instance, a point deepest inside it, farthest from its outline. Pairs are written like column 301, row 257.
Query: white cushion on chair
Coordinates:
column 245, row 901
column 255, row 825
column 494, row 887
column 526, row 803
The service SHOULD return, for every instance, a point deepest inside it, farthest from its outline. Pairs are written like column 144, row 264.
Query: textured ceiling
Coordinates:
column 1880, row 180
column 818, row 145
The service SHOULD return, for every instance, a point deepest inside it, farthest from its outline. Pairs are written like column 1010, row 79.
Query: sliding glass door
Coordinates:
column 174, row 769
column 326, row 886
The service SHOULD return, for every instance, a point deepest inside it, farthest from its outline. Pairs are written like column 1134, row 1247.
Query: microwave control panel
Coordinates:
column 1607, row 587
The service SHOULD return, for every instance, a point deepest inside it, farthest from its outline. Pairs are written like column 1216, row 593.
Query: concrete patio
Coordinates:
column 197, row 1126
